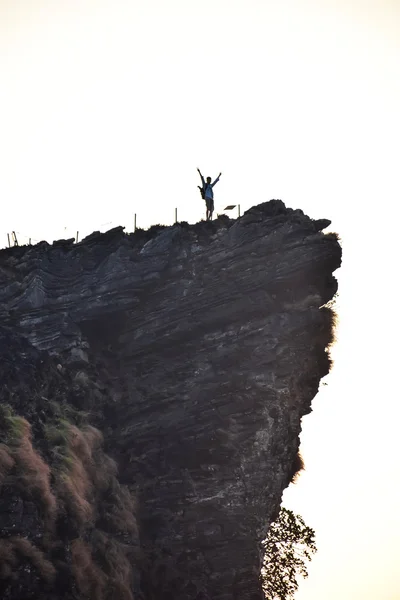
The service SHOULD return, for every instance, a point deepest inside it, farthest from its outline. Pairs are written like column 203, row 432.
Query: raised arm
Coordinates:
column 202, row 178
column 216, row 181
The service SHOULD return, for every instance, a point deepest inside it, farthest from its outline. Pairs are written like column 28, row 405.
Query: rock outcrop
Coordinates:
column 195, row 350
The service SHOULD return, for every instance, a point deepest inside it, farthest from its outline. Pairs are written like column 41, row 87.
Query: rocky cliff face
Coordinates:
column 195, row 351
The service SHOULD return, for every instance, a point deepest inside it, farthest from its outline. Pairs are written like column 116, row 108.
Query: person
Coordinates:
column 208, row 194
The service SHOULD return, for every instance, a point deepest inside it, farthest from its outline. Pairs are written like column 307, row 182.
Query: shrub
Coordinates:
column 115, row 564
column 15, row 427
column 86, row 494
column 32, row 473
column 329, row 323
column 297, row 467
column 122, row 510
column 18, row 550
column 72, row 475
column 73, row 488
column 6, row 462
column 89, row 578
column 105, row 472
column 84, row 472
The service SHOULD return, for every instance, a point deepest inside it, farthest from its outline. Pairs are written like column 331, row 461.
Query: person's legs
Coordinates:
column 209, row 209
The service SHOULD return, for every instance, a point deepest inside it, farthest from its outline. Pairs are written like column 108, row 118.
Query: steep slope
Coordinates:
column 68, row 528
column 195, row 350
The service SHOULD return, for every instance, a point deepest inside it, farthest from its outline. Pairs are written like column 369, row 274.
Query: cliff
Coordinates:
column 195, row 350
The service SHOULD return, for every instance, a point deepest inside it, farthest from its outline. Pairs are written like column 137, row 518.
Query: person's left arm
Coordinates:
column 216, row 181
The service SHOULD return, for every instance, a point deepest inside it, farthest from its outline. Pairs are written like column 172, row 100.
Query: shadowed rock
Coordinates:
column 197, row 349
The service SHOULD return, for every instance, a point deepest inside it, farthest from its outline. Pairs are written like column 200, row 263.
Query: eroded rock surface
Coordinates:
column 196, row 350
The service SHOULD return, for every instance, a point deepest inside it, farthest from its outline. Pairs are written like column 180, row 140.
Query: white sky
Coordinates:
column 108, row 106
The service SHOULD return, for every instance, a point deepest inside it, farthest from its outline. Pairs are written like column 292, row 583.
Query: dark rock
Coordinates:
column 321, row 224
column 62, row 243
column 196, row 349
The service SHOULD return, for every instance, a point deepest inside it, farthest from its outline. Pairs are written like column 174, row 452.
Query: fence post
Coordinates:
column 8, row 237
column 238, row 210
column 30, row 243
column 14, row 236
column 77, row 236
column 176, row 215
column 134, row 223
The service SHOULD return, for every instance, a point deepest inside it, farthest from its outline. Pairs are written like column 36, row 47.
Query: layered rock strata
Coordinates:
column 196, row 350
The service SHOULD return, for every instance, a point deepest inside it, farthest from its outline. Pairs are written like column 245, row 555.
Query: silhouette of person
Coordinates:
column 208, row 194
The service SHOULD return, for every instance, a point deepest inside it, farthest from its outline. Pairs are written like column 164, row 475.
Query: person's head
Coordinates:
column 208, row 179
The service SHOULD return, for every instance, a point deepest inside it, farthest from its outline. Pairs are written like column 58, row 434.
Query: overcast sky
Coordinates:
column 107, row 107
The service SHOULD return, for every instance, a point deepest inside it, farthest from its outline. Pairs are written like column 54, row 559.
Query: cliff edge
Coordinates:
column 157, row 382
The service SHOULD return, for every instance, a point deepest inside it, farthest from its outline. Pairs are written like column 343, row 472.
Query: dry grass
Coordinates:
column 90, row 580
column 33, row 474
column 82, row 442
column 116, row 566
column 73, row 482
column 15, row 551
column 326, row 337
column 88, row 473
column 93, row 437
column 329, row 323
column 6, row 462
column 73, row 489
column 105, row 472
column 85, row 493
column 297, row 467
column 333, row 236
column 83, row 474
column 112, row 504
column 121, row 513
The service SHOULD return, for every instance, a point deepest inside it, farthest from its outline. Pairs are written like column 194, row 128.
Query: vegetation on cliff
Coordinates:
column 84, row 535
column 290, row 543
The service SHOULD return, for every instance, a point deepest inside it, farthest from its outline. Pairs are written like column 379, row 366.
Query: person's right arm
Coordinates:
column 202, row 178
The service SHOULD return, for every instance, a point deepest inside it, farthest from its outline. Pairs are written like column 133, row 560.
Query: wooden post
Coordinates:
column 176, row 215
column 238, row 210
column 30, row 243
column 8, row 237
column 134, row 223
column 77, row 236
column 14, row 236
